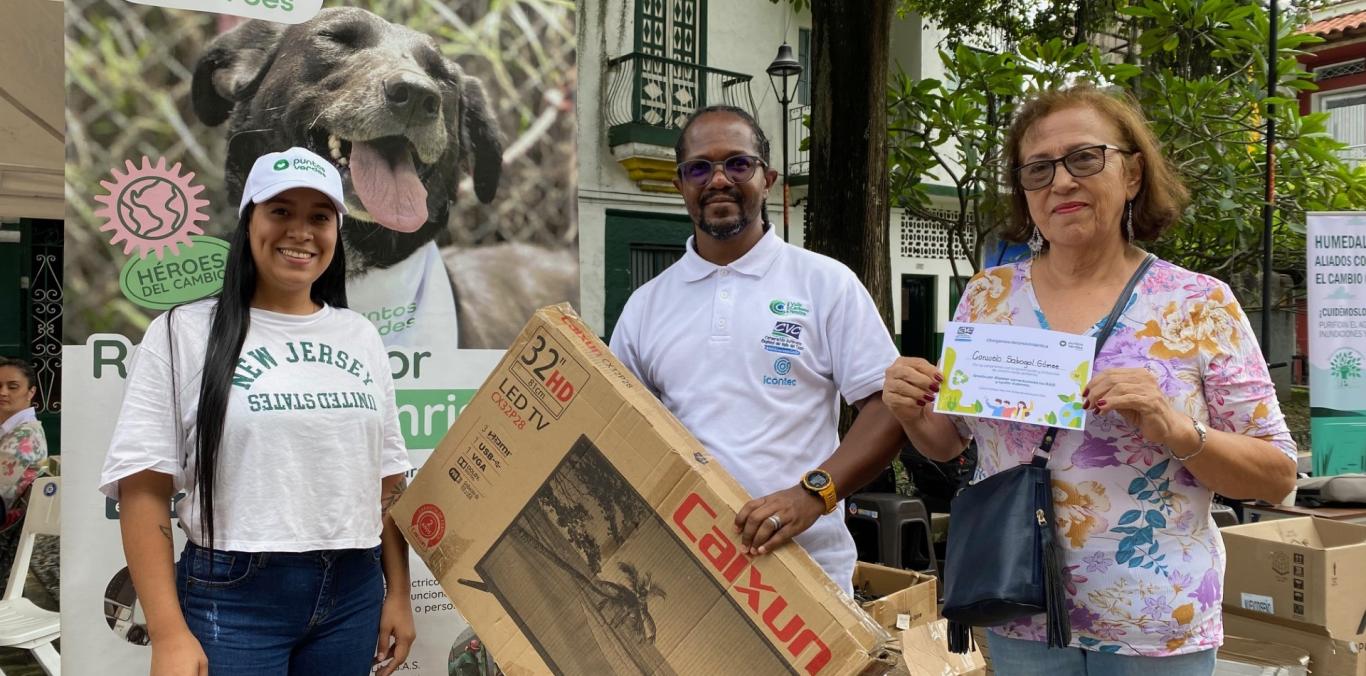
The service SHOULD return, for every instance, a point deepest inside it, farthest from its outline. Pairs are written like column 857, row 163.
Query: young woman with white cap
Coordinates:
column 282, row 431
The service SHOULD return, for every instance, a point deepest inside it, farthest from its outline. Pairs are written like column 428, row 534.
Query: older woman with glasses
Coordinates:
column 1181, row 401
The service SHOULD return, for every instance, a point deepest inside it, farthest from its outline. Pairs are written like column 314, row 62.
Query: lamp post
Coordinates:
column 784, row 68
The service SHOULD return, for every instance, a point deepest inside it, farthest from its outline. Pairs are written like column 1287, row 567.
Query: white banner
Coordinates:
column 1337, row 340
column 103, row 627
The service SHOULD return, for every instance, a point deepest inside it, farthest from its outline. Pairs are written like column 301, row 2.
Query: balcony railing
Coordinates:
column 798, row 160
column 650, row 97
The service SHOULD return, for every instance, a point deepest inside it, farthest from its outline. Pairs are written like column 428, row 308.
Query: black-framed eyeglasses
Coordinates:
column 1080, row 163
column 738, row 168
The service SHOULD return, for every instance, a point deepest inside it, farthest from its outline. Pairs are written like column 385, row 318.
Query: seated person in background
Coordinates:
column 23, row 447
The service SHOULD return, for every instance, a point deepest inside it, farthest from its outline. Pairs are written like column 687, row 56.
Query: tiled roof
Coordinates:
column 1337, row 25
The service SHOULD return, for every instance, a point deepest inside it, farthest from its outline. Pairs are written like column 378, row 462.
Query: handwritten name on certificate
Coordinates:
column 1012, row 373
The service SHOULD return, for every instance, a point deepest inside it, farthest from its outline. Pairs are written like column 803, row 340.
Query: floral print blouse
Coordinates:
column 23, row 448
column 1144, row 560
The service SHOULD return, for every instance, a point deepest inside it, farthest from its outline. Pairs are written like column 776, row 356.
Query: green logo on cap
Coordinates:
column 281, row 165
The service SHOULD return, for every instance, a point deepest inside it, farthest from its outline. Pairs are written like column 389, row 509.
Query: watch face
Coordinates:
column 817, row 480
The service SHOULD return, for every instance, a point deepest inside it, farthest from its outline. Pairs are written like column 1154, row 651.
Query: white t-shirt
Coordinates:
column 751, row 357
column 310, row 431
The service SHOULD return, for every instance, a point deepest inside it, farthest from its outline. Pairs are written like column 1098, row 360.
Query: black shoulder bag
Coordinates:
column 1004, row 559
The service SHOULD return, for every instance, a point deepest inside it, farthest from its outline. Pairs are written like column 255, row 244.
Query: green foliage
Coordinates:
column 1013, row 21
column 956, row 128
column 1200, row 79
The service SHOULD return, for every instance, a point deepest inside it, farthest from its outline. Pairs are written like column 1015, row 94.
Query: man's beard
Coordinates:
column 723, row 230
column 728, row 228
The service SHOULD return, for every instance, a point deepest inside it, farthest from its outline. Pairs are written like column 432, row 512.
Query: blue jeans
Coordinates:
column 1017, row 657
column 269, row 613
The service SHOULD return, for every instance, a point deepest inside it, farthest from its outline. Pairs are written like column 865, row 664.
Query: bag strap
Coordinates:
column 1106, row 328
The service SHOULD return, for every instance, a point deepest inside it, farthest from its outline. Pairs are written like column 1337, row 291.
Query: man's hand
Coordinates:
column 796, row 508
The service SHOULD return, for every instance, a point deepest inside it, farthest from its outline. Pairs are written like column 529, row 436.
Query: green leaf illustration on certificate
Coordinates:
column 1011, row 373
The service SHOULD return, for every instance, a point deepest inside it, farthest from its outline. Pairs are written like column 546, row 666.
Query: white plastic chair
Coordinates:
column 22, row 624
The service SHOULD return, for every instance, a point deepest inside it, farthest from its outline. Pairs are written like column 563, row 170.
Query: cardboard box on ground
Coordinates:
column 1327, row 656
column 580, row 529
column 1247, row 657
column 1306, row 570
column 1302, row 583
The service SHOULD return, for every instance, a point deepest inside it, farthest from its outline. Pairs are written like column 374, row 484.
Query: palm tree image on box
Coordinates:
column 600, row 584
column 629, row 604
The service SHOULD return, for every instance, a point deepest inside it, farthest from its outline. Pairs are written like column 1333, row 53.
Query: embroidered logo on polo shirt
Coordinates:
column 786, row 338
column 782, row 366
column 791, row 330
column 783, row 308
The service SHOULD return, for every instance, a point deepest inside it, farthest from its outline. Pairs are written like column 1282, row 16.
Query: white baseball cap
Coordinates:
column 274, row 173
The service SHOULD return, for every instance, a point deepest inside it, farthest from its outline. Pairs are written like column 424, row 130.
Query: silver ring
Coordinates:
column 776, row 522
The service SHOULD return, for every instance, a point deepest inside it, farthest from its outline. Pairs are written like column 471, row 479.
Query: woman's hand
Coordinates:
column 911, row 383
column 1133, row 393
column 396, row 631
column 178, row 654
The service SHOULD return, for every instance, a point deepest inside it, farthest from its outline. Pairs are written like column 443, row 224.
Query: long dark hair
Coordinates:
column 231, row 319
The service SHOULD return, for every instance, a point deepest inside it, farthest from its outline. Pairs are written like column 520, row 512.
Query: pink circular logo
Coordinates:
column 151, row 208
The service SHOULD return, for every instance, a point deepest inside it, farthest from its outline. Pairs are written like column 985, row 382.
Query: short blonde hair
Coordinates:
column 1161, row 198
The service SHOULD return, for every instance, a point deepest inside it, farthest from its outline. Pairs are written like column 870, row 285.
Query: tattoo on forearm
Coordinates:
column 394, row 494
column 166, row 530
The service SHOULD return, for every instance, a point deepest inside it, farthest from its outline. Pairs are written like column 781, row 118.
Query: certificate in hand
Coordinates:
column 1012, row 373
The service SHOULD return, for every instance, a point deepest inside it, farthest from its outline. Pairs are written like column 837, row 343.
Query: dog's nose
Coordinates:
column 412, row 98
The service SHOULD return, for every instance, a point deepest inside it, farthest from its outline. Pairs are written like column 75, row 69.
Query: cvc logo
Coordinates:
column 281, row 165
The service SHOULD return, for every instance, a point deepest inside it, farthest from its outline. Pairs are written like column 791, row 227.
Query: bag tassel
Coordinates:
column 1059, row 624
column 960, row 638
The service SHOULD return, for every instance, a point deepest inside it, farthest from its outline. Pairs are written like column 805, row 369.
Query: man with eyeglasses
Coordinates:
column 750, row 341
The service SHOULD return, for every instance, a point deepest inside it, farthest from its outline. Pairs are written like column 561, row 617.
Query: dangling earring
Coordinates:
column 1036, row 242
column 1129, row 220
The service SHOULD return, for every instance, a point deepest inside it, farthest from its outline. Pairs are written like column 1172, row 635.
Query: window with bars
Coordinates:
column 669, row 87
column 1340, row 69
column 804, row 58
column 648, row 260
column 925, row 238
column 1346, row 116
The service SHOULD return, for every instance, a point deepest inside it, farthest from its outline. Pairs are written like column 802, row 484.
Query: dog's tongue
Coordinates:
column 390, row 191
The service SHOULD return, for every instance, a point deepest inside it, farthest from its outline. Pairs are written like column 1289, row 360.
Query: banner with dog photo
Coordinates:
column 452, row 125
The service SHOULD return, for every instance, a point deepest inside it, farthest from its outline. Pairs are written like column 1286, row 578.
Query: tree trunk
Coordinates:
column 847, row 214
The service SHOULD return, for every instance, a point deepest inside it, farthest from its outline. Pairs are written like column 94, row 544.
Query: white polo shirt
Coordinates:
column 751, row 356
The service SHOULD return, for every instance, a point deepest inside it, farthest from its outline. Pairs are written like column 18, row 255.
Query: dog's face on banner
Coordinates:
column 379, row 100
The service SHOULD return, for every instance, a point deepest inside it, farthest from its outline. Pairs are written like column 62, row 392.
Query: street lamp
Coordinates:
column 783, row 68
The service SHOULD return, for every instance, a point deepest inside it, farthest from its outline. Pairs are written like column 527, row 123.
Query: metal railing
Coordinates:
column 661, row 92
column 798, row 160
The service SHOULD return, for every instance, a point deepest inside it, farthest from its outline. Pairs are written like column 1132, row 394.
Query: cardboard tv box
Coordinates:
column 1307, row 570
column 580, row 529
